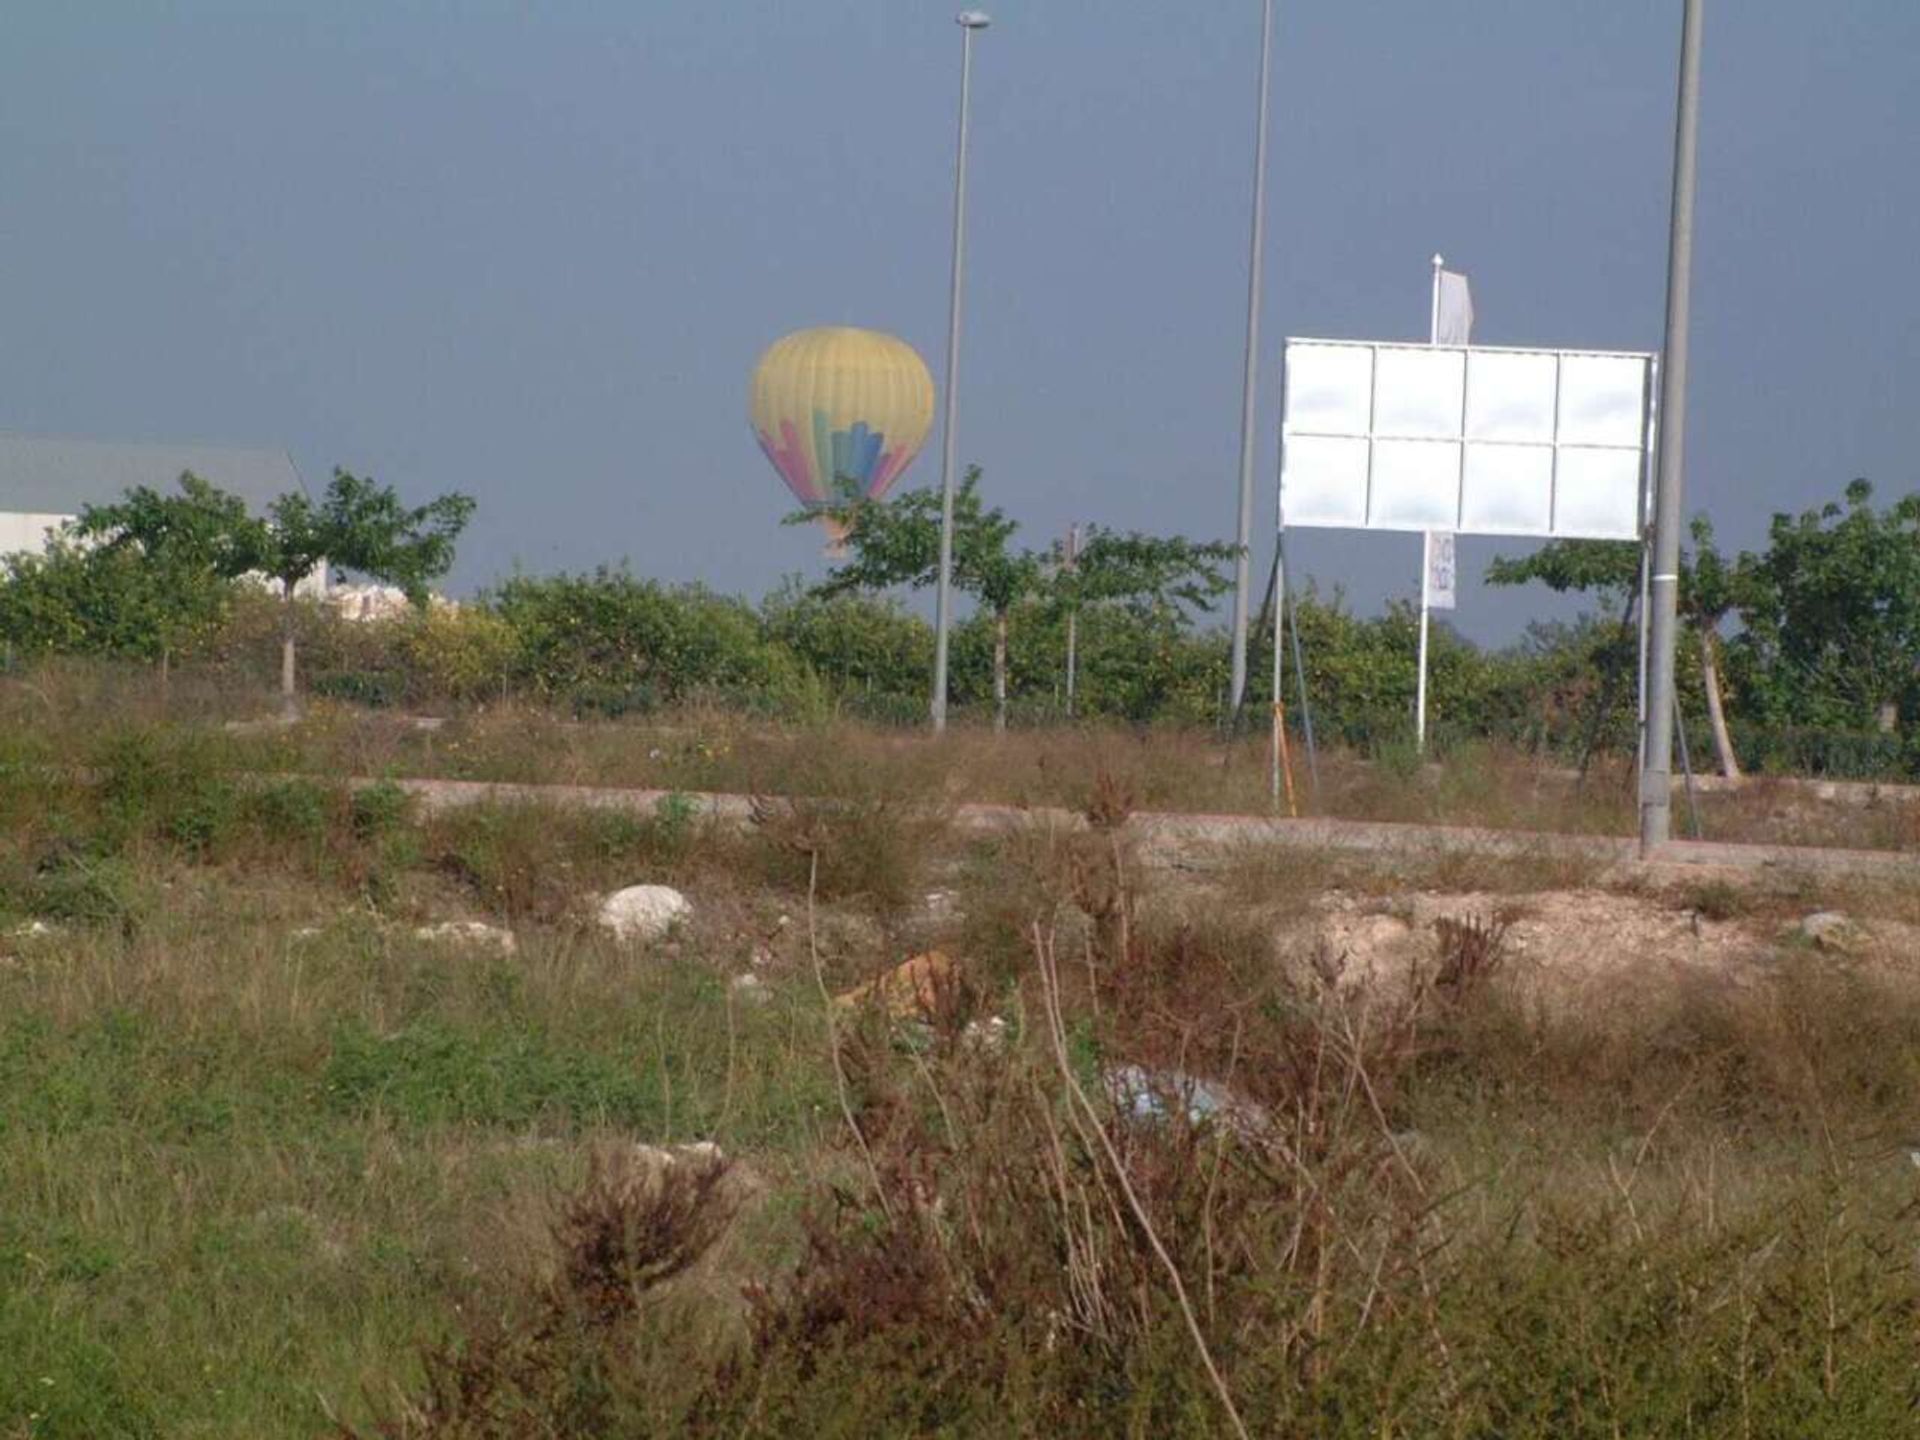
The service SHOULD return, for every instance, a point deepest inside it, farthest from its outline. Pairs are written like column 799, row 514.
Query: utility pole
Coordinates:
column 969, row 22
column 1242, row 568
column 1656, row 776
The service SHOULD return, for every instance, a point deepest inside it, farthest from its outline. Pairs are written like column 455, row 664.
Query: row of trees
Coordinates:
column 154, row 573
column 1825, row 620
column 1799, row 655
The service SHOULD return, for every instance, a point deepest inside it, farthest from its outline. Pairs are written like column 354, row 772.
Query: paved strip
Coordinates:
column 1378, row 837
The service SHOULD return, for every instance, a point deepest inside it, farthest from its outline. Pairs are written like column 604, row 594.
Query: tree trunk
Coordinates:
column 1000, row 673
column 1716, row 710
column 289, row 705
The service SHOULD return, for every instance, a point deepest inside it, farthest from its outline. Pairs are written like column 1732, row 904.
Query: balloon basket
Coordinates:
column 836, row 546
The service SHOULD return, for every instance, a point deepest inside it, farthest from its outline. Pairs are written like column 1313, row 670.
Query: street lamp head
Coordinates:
column 973, row 19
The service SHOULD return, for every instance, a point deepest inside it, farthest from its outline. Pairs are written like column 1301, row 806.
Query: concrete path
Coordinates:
column 1176, row 830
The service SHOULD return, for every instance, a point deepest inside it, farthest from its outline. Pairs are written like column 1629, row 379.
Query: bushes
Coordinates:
column 865, row 649
column 609, row 643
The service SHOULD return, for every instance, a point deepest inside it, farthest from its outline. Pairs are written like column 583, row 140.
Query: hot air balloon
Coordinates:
column 837, row 407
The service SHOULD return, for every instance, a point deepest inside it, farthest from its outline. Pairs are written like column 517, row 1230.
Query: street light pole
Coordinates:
column 1656, row 776
column 969, row 22
column 1242, row 569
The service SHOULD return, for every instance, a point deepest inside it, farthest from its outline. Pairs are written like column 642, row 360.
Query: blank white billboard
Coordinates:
column 1479, row 440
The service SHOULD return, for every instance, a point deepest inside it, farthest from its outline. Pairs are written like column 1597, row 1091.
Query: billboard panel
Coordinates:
column 1549, row 443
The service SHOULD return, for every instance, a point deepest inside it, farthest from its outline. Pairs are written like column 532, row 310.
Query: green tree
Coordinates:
column 1158, row 581
column 72, row 599
column 1162, row 576
column 1144, row 591
column 897, row 542
column 1607, row 569
column 1831, row 613
column 360, row 528
column 1610, row 570
column 190, row 549
column 1710, row 588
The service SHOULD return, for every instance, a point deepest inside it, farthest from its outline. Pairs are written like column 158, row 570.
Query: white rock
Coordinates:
column 750, row 987
column 34, row 930
column 942, row 905
column 473, row 933
column 1830, row 930
column 643, row 912
column 653, row 1159
column 988, row 1035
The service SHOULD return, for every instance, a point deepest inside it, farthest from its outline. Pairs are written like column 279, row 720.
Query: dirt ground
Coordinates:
column 1570, row 942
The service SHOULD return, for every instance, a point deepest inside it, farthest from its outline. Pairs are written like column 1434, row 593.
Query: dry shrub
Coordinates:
column 1471, row 949
column 557, row 1364
column 1001, row 1243
column 873, row 849
column 1024, row 1245
column 533, row 861
column 641, row 1220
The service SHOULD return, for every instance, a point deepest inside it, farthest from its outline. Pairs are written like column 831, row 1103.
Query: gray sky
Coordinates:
column 531, row 252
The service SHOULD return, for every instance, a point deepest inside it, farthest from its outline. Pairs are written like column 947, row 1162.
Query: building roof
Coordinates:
column 41, row 475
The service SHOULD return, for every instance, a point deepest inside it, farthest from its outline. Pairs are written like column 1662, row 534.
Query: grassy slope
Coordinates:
column 250, row 1173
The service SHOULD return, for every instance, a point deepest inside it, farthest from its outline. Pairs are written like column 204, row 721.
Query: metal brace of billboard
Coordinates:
column 1477, row 439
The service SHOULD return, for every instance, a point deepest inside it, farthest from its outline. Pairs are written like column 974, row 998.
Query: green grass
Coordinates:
column 272, row 1164
column 246, row 1175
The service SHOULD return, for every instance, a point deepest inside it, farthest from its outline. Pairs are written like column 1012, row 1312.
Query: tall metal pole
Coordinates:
column 969, row 21
column 1426, row 550
column 1656, row 776
column 1242, row 569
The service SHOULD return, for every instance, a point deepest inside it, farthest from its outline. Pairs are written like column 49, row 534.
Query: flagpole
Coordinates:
column 1426, row 550
column 1433, row 324
column 1420, row 693
column 1279, row 696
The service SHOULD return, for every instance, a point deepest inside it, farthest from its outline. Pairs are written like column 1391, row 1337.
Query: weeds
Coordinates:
column 1471, row 949
column 1717, row 900
column 632, row 1228
column 274, row 1166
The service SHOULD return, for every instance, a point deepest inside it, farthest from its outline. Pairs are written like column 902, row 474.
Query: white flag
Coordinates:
column 1439, row 570
column 1453, row 310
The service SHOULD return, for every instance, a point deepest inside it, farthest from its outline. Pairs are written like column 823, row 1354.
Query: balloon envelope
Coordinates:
column 840, row 405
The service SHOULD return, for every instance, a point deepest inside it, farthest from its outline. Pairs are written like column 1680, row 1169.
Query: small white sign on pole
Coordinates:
column 1439, row 570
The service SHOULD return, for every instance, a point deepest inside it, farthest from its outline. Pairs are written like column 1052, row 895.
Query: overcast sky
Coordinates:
column 531, row 252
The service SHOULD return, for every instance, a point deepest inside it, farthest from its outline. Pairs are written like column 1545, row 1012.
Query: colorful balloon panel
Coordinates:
column 839, row 403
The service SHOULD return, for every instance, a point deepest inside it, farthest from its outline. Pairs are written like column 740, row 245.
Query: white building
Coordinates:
column 44, row 481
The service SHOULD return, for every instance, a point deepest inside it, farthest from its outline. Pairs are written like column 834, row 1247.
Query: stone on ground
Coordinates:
column 476, row 934
column 1830, row 930
column 643, row 913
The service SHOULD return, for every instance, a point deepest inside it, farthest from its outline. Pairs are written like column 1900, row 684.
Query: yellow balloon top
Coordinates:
column 838, row 406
